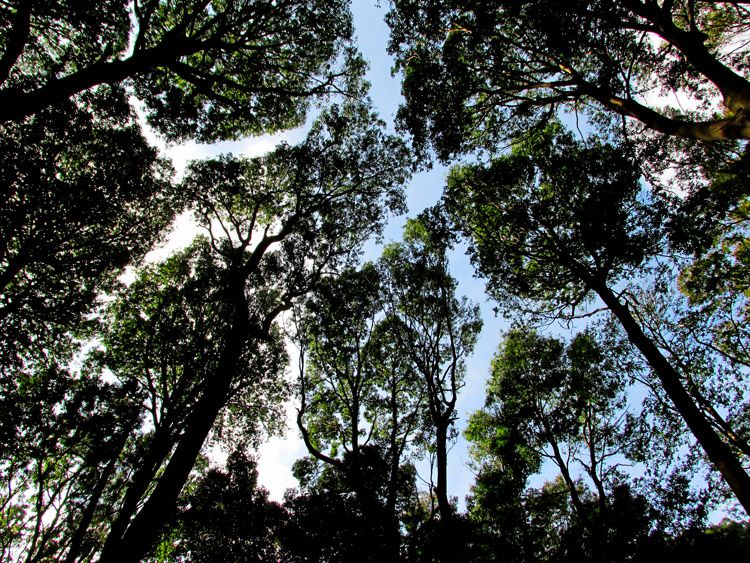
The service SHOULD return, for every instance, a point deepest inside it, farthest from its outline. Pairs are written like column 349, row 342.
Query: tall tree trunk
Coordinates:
column 158, row 451
column 394, row 535
column 76, row 543
column 144, row 529
column 584, row 516
column 441, row 489
column 719, row 453
column 446, row 543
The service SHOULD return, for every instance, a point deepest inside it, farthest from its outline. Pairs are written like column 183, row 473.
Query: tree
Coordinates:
column 165, row 337
column 193, row 344
column 557, row 221
column 204, row 70
column 83, row 193
column 327, row 522
column 285, row 219
column 337, row 415
column 68, row 430
column 547, row 401
column 437, row 332
column 82, row 197
column 226, row 513
column 109, row 428
column 404, row 426
column 383, row 365
column 337, row 384
column 361, row 401
column 565, row 401
column 476, row 73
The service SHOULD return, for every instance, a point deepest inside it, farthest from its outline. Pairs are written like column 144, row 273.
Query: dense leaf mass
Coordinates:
column 204, row 70
column 82, row 197
column 477, row 73
column 603, row 200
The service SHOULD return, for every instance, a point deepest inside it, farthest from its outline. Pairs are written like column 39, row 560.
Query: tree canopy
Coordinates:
column 555, row 223
column 82, row 198
column 204, row 70
column 476, row 72
column 603, row 199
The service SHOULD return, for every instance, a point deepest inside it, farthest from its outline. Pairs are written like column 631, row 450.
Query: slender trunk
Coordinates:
column 575, row 498
column 76, row 542
column 593, row 465
column 394, row 535
column 584, row 516
column 446, row 544
column 356, row 478
column 719, row 453
column 441, row 490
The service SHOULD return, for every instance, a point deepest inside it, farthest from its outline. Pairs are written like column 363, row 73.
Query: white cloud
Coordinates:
column 250, row 147
column 182, row 232
column 276, row 456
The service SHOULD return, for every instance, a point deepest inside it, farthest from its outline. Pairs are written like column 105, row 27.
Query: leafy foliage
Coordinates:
column 553, row 218
column 82, row 198
column 112, row 394
column 477, row 73
column 548, row 239
column 226, row 513
column 203, row 70
column 564, row 404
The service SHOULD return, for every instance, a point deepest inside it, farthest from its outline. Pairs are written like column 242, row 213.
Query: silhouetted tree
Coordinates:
column 557, row 221
column 82, row 197
column 286, row 218
column 226, row 515
column 360, row 399
column 203, row 70
column 437, row 331
column 550, row 402
column 475, row 72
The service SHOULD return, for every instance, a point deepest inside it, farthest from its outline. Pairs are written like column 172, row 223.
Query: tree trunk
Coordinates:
column 157, row 452
column 441, row 490
column 144, row 529
column 394, row 534
column 733, row 87
column 74, row 551
column 719, row 453
column 575, row 498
